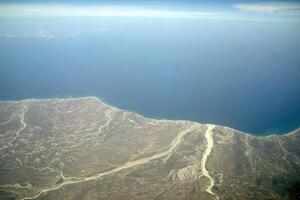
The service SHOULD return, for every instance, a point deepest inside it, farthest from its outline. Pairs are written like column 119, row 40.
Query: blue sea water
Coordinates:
column 241, row 74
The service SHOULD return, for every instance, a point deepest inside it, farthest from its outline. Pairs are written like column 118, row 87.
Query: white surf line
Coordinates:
column 177, row 140
column 210, row 143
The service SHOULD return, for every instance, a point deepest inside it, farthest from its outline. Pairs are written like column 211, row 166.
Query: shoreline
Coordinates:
column 102, row 101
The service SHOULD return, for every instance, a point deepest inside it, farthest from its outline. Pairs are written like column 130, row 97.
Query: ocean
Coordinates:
column 241, row 74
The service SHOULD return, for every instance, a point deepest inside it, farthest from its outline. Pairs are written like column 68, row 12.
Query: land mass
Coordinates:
column 84, row 149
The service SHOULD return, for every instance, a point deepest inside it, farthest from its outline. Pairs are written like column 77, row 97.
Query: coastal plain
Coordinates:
column 85, row 149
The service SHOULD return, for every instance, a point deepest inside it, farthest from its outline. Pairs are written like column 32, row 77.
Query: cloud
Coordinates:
column 97, row 10
column 285, row 8
column 40, row 34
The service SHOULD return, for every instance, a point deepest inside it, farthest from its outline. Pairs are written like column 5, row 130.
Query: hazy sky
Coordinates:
column 237, row 10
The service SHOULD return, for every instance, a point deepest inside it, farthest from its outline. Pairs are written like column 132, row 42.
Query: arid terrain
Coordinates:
column 84, row 149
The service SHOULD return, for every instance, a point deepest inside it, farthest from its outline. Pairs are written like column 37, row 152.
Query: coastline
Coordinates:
column 102, row 101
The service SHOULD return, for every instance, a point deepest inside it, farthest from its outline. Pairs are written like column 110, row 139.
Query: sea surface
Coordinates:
column 241, row 74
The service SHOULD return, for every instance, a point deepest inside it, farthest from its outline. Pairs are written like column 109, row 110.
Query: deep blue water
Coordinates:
column 244, row 75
